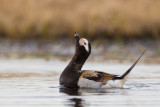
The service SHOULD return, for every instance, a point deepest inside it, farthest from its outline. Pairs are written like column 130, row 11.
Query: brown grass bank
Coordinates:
column 94, row 18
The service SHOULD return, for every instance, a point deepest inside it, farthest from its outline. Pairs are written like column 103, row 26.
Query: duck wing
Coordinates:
column 94, row 79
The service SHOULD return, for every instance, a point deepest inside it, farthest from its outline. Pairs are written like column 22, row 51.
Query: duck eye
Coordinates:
column 84, row 43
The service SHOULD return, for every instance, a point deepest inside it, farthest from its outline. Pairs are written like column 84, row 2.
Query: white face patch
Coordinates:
column 84, row 42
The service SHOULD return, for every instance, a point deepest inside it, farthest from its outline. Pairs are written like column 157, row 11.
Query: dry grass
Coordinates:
column 56, row 18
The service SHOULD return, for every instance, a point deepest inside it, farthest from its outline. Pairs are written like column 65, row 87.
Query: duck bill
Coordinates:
column 77, row 37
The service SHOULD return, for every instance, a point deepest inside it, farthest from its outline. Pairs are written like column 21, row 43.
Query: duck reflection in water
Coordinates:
column 75, row 102
column 76, row 93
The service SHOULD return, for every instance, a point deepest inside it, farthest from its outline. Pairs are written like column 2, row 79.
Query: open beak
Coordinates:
column 76, row 36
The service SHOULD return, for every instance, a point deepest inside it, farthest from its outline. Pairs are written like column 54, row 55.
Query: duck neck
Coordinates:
column 77, row 62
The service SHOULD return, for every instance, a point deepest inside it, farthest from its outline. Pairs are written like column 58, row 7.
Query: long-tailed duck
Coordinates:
column 74, row 77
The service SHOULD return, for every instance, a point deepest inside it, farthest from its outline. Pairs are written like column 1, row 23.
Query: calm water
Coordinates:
column 31, row 83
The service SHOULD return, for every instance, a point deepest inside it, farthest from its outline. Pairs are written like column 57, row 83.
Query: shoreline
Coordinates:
column 102, row 50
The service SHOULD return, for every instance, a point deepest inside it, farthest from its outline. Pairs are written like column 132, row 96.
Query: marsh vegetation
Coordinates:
column 92, row 18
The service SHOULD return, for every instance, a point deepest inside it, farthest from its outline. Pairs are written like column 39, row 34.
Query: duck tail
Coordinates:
column 129, row 70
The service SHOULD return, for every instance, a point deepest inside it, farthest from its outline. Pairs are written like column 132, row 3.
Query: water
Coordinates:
column 34, row 83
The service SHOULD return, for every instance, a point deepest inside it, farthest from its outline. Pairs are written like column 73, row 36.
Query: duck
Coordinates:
column 70, row 75
column 73, row 77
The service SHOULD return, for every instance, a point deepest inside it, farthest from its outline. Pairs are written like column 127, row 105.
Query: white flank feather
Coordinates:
column 86, row 83
column 114, row 84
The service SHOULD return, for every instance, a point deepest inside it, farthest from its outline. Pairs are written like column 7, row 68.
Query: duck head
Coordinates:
column 83, row 49
column 83, row 46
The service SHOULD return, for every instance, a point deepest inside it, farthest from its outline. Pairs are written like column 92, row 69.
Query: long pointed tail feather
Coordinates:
column 129, row 70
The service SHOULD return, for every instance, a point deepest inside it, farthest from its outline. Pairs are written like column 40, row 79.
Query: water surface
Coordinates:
column 34, row 82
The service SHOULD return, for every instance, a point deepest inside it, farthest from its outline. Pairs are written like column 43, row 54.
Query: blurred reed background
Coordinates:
column 93, row 19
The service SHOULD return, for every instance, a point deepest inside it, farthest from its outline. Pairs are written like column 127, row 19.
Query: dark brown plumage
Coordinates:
column 70, row 75
column 97, row 76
